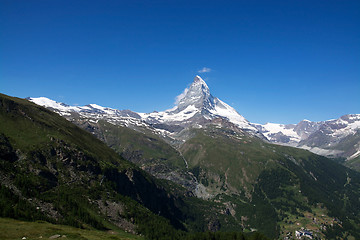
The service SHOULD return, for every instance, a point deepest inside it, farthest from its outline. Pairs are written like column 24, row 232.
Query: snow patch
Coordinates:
column 273, row 128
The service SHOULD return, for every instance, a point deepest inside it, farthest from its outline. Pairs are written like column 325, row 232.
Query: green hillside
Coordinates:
column 250, row 184
column 53, row 171
column 273, row 188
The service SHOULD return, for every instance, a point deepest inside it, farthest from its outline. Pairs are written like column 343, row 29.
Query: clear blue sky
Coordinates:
column 273, row 61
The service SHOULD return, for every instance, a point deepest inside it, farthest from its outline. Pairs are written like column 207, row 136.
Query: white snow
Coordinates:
column 198, row 90
column 66, row 110
column 199, row 80
column 170, row 116
column 213, row 108
column 97, row 107
column 273, row 128
column 224, row 110
column 349, row 127
column 46, row 102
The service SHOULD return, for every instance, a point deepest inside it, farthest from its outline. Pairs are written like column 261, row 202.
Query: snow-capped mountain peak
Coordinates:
column 58, row 106
column 197, row 94
column 199, row 80
column 197, row 105
column 91, row 111
column 326, row 138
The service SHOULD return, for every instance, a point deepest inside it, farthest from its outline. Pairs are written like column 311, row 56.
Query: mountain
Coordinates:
column 197, row 107
column 153, row 139
column 53, row 170
column 337, row 138
column 215, row 154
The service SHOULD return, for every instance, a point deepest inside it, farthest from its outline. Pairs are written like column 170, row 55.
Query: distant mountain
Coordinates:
column 338, row 138
column 196, row 107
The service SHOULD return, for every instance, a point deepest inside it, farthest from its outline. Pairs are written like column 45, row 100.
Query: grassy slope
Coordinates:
column 151, row 148
column 15, row 229
column 46, row 158
column 235, row 159
column 31, row 126
column 271, row 182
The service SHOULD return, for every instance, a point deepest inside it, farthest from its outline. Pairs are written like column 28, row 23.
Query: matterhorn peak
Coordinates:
column 197, row 94
column 194, row 107
column 198, row 81
column 197, row 105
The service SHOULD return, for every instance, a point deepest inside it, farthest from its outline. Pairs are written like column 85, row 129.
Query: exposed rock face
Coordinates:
column 197, row 95
column 305, row 128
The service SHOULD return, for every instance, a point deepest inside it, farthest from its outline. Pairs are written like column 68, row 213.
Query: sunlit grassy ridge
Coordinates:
column 151, row 148
column 11, row 229
column 267, row 184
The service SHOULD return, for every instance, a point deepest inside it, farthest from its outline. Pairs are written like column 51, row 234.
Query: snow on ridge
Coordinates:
column 345, row 125
column 273, row 128
column 194, row 100
column 46, row 102
column 87, row 110
column 224, row 110
column 170, row 116
column 199, row 80
column 98, row 107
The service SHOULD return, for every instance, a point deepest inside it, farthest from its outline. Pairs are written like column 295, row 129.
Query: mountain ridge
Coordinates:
column 322, row 137
column 197, row 107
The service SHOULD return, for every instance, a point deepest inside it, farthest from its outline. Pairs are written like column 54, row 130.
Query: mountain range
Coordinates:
column 337, row 138
column 200, row 166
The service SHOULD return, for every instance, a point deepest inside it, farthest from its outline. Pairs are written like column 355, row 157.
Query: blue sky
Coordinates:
column 273, row 61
